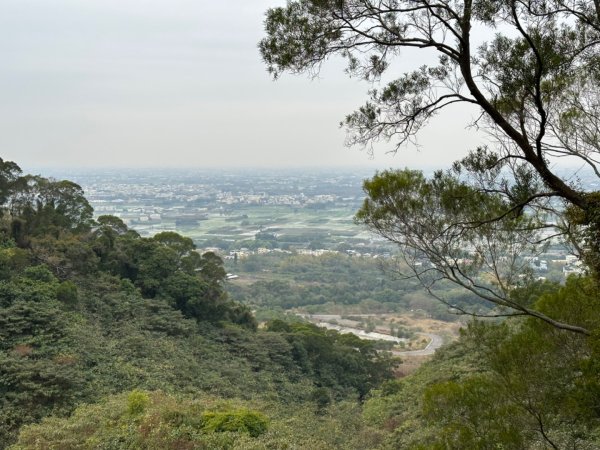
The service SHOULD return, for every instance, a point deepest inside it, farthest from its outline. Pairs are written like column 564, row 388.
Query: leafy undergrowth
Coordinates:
column 156, row 420
column 89, row 309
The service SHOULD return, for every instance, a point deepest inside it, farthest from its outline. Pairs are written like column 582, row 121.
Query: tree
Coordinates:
column 211, row 268
column 538, row 389
column 9, row 174
column 180, row 244
column 42, row 206
column 534, row 89
column 112, row 223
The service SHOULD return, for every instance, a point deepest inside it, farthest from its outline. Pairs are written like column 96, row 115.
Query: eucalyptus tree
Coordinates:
column 533, row 88
column 9, row 174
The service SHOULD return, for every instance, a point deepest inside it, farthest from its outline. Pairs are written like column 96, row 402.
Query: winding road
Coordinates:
column 341, row 325
column 435, row 342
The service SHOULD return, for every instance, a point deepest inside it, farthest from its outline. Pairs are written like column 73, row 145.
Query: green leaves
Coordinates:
column 471, row 230
column 340, row 361
column 238, row 421
column 514, row 385
column 41, row 206
column 540, row 385
column 9, row 174
column 472, row 415
column 534, row 89
column 104, row 310
column 180, row 244
column 299, row 35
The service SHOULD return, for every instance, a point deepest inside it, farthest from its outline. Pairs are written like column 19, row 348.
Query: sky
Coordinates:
column 179, row 83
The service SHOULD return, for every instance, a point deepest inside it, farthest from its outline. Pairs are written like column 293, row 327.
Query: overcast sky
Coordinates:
column 178, row 83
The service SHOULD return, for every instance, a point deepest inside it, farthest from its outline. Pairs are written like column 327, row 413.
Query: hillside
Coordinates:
column 90, row 310
column 109, row 340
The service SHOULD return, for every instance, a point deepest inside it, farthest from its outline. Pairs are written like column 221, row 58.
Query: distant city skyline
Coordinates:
column 124, row 83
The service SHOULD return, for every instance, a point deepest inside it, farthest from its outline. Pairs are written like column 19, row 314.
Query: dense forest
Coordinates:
column 142, row 332
column 111, row 340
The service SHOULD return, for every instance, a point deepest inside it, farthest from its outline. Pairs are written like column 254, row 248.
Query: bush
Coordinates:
column 137, row 402
column 39, row 273
column 67, row 293
column 239, row 420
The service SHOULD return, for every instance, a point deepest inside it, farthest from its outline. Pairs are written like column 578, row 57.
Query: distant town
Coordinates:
column 242, row 213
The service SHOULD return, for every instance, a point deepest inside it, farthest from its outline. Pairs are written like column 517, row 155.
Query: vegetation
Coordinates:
column 90, row 310
column 508, row 385
column 335, row 283
column 171, row 422
column 533, row 89
column 530, row 382
column 110, row 340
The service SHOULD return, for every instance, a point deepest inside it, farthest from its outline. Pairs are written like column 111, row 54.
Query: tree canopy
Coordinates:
column 532, row 84
column 89, row 308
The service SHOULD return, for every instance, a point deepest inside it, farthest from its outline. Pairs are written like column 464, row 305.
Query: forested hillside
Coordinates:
column 514, row 385
column 527, row 72
column 111, row 340
column 142, row 331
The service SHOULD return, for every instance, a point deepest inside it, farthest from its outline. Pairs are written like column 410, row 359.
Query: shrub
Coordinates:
column 238, row 420
column 67, row 293
column 137, row 401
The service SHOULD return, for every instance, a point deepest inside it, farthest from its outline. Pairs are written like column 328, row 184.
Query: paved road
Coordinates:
column 435, row 342
column 344, row 326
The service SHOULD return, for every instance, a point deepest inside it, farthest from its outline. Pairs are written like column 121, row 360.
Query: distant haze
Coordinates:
column 131, row 83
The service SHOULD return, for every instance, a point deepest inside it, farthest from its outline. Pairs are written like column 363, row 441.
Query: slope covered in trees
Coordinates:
column 513, row 385
column 89, row 309
column 111, row 340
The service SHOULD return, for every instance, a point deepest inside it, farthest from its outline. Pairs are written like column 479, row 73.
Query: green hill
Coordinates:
column 90, row 312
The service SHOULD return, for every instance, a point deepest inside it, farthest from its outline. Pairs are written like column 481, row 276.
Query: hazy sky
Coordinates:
column 176, row 83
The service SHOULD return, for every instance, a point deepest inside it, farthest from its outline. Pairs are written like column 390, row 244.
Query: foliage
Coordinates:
column 333, row 281
column 444, row 231
column 237, row 421
column 335, row 360
column 175, row 422
column 532, row 87
column 87, row 312
column 137, row 402
column 519, row 385
column 67, row 292
column 9, row 178
column 484, row 422
column 45, row 207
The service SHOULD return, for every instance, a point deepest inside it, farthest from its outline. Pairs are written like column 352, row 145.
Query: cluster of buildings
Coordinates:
column 569, row 264
column 230, row 198
column 154, row 201
column 142, row 198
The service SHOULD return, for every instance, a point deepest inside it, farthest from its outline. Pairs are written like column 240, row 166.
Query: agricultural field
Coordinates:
column 231, row 210
column 278, row 226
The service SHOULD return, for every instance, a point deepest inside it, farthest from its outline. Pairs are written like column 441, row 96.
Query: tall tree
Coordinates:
column 533, row 87
column 9, row 174
column 47, row 204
